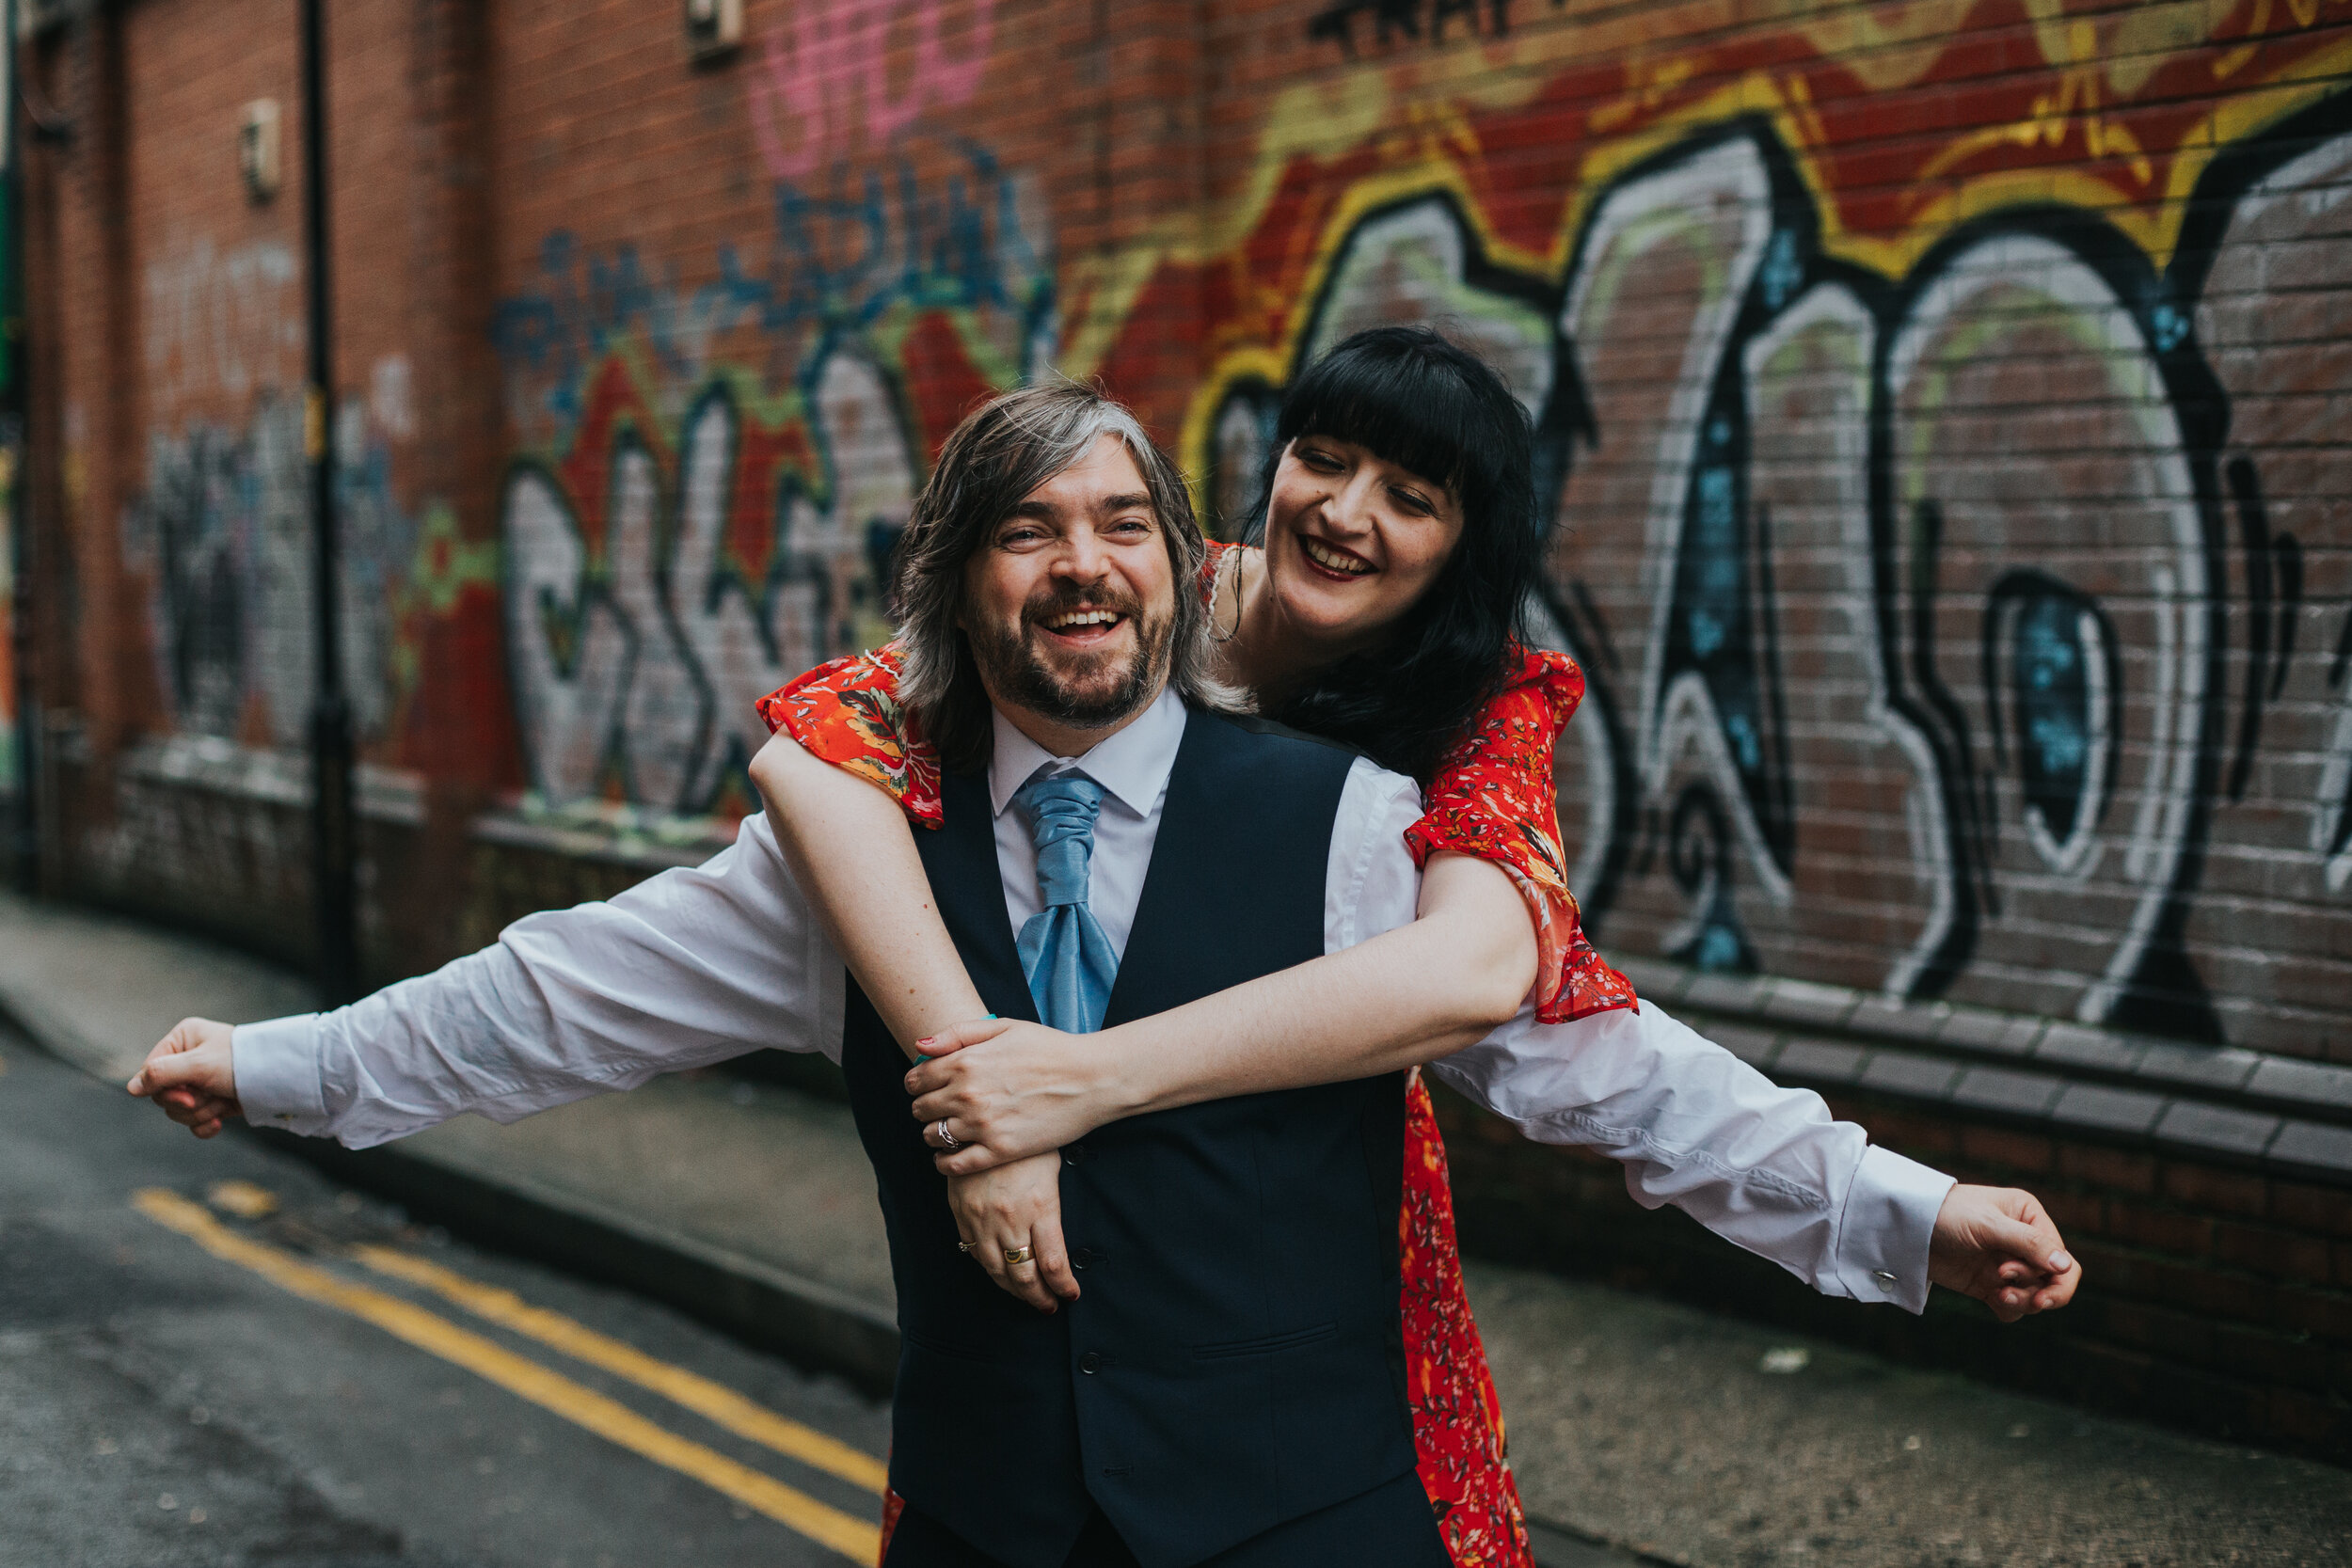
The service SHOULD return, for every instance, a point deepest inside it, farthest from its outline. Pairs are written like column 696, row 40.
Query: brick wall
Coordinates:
column 1940, row 411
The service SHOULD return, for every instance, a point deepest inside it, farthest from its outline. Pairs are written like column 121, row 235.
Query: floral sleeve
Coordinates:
column 1494, row 797
column 846, row 711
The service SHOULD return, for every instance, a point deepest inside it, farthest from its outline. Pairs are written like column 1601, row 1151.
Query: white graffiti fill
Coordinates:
column 643, row 668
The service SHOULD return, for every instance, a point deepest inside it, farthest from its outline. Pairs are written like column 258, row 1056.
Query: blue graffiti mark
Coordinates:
column 1722, row 628
column 2054, row 716
column 1745, row 749
column 2060, row 691
column 1718, row 949
column 838, row 259
column 2167, row 328
column 1782, row 270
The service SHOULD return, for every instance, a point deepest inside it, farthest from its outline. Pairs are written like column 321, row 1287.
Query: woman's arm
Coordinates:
column 1412, row 995
column 852, row 853
column 853, row 856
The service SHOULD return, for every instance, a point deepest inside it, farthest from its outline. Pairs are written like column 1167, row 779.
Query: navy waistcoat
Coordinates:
column 1235, row 1357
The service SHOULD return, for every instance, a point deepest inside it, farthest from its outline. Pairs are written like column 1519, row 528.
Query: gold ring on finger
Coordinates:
column 1019, row 1254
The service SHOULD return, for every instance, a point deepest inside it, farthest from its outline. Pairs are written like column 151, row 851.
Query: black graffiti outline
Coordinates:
column 2163, row 991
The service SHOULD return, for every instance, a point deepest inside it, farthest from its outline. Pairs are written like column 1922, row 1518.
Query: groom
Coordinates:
column 1227, row 1390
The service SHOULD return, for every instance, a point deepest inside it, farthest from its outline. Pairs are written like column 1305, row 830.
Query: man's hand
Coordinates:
column 1995, row 1243
column 1009, row 1090
column 1009, row 1209
column 190, row 1075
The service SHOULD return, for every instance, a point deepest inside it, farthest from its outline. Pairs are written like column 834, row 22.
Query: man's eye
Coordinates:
column 1131, row 527
column 1020, row 536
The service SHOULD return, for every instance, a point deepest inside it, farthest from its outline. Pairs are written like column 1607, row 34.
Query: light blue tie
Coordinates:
column 1064, row 954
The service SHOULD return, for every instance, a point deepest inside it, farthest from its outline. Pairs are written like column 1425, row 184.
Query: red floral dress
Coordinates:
column 1492, row 797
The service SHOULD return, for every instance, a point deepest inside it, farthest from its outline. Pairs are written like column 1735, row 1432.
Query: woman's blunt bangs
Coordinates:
column 1423, row 403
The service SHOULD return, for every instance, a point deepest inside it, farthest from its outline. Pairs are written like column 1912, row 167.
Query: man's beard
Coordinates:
column 1013, row 669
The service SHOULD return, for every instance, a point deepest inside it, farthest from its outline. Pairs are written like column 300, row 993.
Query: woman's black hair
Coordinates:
column 1414, row 399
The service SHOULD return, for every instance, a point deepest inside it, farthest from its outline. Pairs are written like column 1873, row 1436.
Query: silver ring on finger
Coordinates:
column 947, row 1139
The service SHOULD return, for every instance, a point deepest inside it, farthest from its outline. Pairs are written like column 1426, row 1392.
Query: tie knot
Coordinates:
column 1061, row 813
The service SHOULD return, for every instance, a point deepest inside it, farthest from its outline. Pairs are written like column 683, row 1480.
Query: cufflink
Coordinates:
column 1882, row 1276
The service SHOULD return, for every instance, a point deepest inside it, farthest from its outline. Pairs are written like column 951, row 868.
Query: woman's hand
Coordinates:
column 1006, row 1090
column 1011, row 1208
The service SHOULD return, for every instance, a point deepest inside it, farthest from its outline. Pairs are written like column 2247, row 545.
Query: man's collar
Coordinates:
column 1132, row 764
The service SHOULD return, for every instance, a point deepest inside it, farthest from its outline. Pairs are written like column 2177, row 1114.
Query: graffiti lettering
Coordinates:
column 2011, row 750
column 222, row 531
column 689, row 535
column 1419, row 20
column 642, row 630
column 837, row 260
column 222, row 323
column 827, row 60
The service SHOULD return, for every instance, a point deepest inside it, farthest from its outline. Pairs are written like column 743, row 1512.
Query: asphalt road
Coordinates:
column 209, row 1354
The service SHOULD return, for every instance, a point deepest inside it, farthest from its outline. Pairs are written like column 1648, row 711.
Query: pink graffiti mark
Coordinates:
column 820, row 62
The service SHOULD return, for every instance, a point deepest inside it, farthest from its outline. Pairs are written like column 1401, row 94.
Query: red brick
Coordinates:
column 2165, row 1229
column 2301, row 1414
column 2108, row 1167
column 1999, row 1148
column 2325, row 1314
column 2162, row 1330
column 2277, row 1254
column 2222, row 1191
column 2324, row 1210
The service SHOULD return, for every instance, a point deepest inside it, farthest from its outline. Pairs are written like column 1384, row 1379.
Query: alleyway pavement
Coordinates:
column 1640, row 1430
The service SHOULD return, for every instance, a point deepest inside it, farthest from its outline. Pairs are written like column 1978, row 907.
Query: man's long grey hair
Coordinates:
column 1008, row 448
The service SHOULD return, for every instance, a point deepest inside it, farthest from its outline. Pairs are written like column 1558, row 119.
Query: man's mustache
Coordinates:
column 1066, row 599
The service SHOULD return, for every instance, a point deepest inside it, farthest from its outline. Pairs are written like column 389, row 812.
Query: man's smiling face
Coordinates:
column 1070, row 601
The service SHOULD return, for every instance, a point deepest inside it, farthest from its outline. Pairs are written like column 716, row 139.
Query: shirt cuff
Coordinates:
column 276, row 1069
column 1890, row 1220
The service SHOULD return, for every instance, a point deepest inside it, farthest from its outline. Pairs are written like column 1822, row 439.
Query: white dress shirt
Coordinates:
column 694, row 966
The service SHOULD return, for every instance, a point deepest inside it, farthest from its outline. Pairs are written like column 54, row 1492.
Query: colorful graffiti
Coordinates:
column 1938, row 515
column 828, row 62
column 1960, row 576
column 222, row 533
column 685, row 536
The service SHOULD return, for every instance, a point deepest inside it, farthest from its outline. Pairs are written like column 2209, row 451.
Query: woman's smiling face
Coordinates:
column 1352, row 541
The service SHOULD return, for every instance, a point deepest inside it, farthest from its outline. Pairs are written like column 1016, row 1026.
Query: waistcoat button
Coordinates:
column 1091, row 1362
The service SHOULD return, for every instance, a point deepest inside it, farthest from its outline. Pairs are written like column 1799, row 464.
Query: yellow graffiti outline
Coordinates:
column 2154, row 227
column 1270, row 362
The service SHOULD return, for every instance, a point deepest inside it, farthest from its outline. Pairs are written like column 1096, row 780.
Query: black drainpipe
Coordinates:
column 24, row 829
column 332, row 824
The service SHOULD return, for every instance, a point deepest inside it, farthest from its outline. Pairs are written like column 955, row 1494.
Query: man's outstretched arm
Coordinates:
column 1766, row 1168
column 688, row 968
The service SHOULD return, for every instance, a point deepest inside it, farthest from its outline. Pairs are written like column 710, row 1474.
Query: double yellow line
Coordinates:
column 857, row 1539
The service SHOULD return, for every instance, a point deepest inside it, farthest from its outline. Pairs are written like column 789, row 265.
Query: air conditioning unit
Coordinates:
column 36, row 17
column 257, row 148
column 713, row 27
